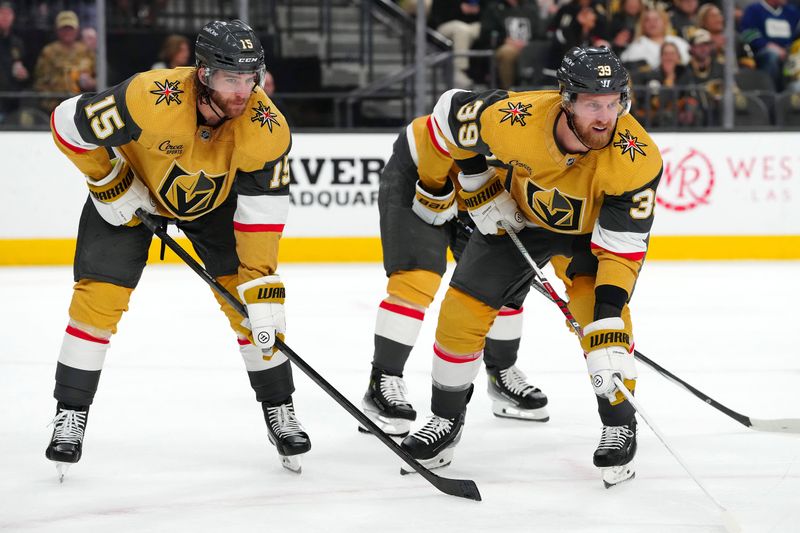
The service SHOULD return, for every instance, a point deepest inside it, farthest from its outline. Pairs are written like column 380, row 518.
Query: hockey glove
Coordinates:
column 489, row 203
column 607, row 346
column 435, row 209
column 118, row 195
column 264, row 299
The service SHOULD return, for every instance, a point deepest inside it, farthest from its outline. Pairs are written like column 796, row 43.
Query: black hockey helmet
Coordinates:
column 593, row 71
column 230, row 46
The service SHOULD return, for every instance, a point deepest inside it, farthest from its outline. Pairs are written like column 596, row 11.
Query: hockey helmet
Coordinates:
column 229, row 48
column 593, row 71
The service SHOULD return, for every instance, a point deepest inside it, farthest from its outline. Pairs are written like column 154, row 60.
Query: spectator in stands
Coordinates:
column 623, row 24
column 585, row 30
column 65, row 65
column 563, row 27
column 459, row 21
column 710, row 18
column 13, row 74
column 791, row 69
column 653, row 30
column 702, row 84
column 175, row 52
column 508, row 26
column 769, row 27
column 655, row 90
column 684, row 17
column 89, row 38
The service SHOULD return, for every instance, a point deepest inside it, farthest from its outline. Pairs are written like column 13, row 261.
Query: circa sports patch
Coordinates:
column 167, row 92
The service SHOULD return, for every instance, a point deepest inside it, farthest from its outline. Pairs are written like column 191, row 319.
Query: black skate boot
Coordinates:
column 434, row 443
column 286, row 433
column 386, row 404
column 614, row 455
column 66, row 444
column 513, row 397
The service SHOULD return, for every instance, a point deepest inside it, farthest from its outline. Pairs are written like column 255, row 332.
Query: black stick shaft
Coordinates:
column 463, row 488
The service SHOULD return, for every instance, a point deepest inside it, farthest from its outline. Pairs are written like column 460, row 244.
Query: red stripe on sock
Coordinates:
column 75, row 332
column 400, row 310
column 258, row 228
column 450, row 358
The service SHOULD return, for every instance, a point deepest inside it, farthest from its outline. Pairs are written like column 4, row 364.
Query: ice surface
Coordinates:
column 176, row 442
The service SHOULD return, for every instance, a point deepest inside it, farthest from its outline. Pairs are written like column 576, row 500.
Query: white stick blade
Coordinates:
column 778, row 425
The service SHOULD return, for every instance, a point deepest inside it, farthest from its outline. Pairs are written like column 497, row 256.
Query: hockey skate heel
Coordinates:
column 513, row 397
column 615, row 453
column 286, row 434
column 387, row 405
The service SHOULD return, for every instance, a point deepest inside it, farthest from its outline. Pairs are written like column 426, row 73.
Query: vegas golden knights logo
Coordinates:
column 190, row 194
column 554, row 208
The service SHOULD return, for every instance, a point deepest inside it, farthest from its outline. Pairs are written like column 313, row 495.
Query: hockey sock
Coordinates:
column 452, row 380
column 79, row 365
column 502, row 341
column 396, row 331
column 271, row 380
column 449, row 403
column 614, row 415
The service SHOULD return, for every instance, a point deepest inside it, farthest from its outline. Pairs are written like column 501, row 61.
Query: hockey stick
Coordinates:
column 727, row 518
column 776, row 425
column 463, row 488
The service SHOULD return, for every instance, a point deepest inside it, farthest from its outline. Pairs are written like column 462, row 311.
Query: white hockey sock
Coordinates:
column 82, row 351
column 253, row 357
column 507, row 325
column 454, row 372
column 398, row 323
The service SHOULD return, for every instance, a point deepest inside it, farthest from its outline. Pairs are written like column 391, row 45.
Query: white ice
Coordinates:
column 176, row 441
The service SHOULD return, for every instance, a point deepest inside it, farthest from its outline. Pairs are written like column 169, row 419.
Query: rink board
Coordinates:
column 722, row 196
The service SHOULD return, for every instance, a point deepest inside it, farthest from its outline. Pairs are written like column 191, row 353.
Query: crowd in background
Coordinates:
column 674, row 49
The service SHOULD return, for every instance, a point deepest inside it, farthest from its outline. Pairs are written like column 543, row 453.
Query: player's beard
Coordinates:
column 593, row 138
column 232, row 105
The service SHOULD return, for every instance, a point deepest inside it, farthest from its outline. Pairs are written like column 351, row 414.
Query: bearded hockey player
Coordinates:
column 418, row 216
column 584, row 186
column 206, row 149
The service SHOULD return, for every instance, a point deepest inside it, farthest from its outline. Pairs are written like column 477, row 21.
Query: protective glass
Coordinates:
column 227, row 81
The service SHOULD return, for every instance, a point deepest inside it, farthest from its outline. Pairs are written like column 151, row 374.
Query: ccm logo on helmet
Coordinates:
column 248, row 59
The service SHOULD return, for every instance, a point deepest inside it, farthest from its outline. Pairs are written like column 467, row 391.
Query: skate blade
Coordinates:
column 61, row 470
column 614, row 475
column 394, row 427
column 291, row 463
column 504, row 410
column 442, row 460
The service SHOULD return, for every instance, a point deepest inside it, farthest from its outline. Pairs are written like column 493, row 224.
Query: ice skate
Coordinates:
column 66, row 444
column 286, row 433
column 434, row 443
column 386, row 403
column 513, row 397
column 614, row 455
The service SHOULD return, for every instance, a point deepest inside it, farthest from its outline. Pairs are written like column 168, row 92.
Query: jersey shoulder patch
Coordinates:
column 633, row 153
column 261, row 132
column 164, row 101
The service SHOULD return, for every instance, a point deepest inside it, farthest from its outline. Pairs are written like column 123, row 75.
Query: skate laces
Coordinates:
column 283, row 420
column 434, row 429
column 393, row 388
column 614, row 437
column 514, row 380
column 69, row 425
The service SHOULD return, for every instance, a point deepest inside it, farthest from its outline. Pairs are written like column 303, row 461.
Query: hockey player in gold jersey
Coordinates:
column 418, row 208
column 584, row 184
column 206, row 149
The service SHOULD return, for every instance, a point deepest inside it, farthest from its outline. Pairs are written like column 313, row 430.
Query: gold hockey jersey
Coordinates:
column 609, row 193
column 151, row 120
